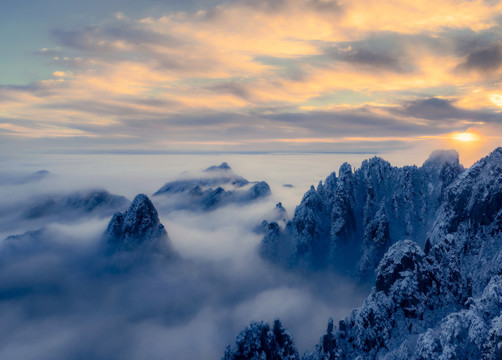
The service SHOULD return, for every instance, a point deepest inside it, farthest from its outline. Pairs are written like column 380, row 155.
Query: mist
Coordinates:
column 62, row 297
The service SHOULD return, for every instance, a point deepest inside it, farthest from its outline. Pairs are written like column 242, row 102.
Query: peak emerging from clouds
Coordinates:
column 223, row 166
column 439, row 301
column 215, row 187
column 349, row 221
column 138, row 228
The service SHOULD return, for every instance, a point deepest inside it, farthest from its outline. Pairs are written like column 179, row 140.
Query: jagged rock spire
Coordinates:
column 138, row 228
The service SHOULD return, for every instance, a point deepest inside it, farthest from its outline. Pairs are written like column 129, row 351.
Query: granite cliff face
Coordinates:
column 138, row 229
column 438, row 296
column 348, row 222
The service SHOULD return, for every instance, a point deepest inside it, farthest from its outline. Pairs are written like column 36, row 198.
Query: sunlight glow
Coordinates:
column 465, row 136
column 496, row 99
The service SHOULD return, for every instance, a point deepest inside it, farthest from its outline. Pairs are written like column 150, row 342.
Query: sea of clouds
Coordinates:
column 60, row 298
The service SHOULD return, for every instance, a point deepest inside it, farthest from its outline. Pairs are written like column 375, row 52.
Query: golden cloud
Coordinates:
column 205, row 53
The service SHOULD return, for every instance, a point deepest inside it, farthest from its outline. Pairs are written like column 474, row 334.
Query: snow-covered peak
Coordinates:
column 345, row 170
column 401, row 258
column 439, row 158
column 442, row 303
column 213, row 176
column 141, row 215
column 491, row 163
column 138, row 228
column 473, row 201
column 259, row 190
column 349, row 222
column 207, row 190
column 375, row 162
column 222, row 167
column 497, row 152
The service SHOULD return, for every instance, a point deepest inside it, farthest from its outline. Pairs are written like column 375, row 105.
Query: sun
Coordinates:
column 465, row 136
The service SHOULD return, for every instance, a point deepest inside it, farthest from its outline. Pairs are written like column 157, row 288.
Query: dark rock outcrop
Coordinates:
column 138, row 229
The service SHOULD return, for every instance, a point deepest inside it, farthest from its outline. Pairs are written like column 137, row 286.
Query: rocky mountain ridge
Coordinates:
column 348, row 222
column 438, row 298
column 215, row 187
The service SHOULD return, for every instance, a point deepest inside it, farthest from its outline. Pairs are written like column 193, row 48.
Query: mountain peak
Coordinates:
column 222, row 167
column 142, row 205
column 375, row 161
column 345, row 169
column 138, row 227
column 496, row 154
column 442, row 157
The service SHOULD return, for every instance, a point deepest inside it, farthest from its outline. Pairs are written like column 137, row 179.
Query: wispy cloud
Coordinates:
column 271, row 70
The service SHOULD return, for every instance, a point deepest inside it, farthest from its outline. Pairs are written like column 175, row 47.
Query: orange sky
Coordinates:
column 281, row 75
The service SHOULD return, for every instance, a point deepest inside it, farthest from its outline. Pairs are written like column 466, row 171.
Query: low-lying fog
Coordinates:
column 58, row 298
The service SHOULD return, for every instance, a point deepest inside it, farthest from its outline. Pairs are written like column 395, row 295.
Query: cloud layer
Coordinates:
column 62, row 297
column 263, row 76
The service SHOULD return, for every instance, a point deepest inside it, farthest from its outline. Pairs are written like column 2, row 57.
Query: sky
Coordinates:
column 284, row 90
column 174, row 76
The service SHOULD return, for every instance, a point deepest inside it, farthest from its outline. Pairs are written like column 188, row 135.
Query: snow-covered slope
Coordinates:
column 439, row 297
column 349, row 221
column 138, row 229
column 259, row 341
column 467, row 228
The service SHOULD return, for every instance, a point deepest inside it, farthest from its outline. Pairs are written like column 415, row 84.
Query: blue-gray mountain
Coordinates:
column 6, row 179
column 439, row 297
column 81, row 203
column 217, row 186
column 60, row 208
column 138, row 229
column 213, row 176
column 349, row 221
